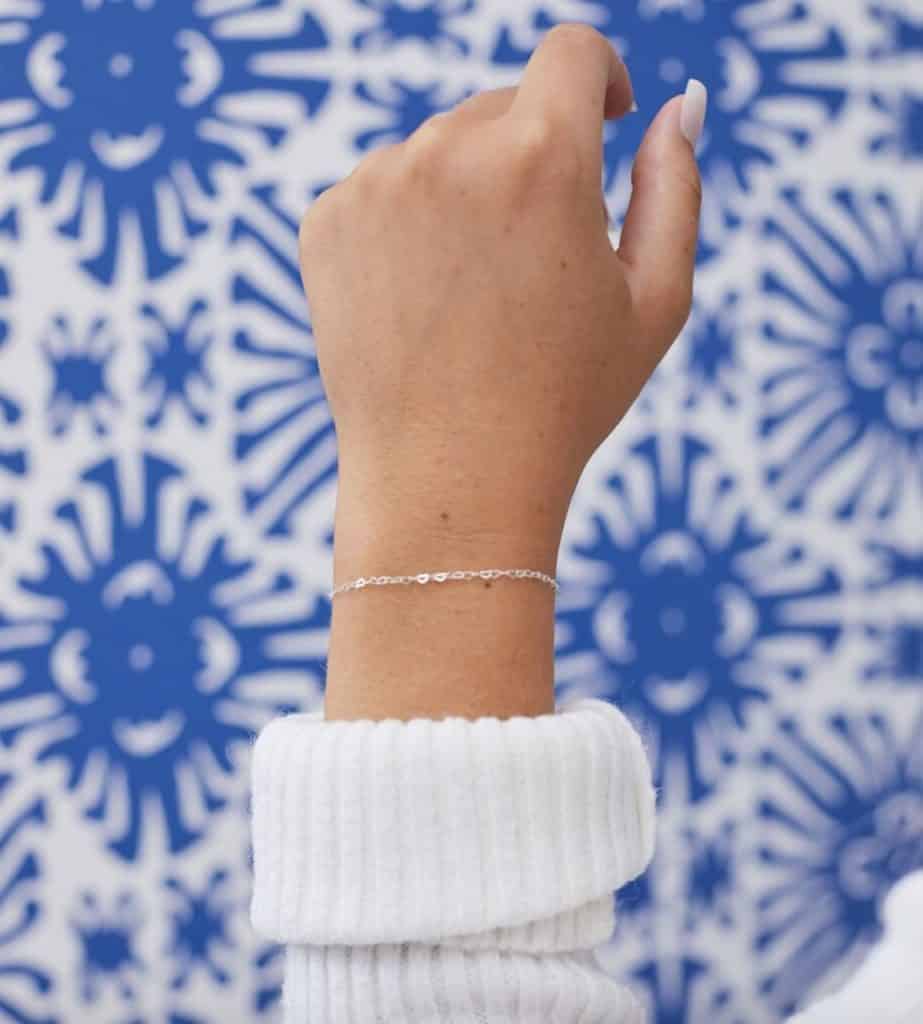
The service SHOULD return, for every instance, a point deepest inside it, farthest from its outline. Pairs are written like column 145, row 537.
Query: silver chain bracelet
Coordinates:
column 441, row 577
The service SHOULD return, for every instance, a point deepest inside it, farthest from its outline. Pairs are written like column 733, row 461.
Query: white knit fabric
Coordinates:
column 449, row 870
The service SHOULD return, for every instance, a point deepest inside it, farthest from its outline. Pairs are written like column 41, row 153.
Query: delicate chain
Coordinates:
column 441, row 577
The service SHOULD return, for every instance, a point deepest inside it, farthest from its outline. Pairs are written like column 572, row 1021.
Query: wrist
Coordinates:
column 372, row 548
column 466, row 648
column 380, row 529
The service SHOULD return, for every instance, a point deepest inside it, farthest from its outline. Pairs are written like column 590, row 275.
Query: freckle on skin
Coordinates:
column 445, row 517
column 564, row 264
column 487, row 583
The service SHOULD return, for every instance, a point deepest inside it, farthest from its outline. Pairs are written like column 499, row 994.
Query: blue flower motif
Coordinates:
column 396, row 23
column 24, row 987
column 199, row 924
column 79, row 367
column 894, row 615
column 713, row 887
column 844, row 399
column 144, row 650
column 176, row 364
column 147, row 99
column 710, row 345
column 684, row 613
column 844, row 823
column 107, row 941
column 774, row 75
column 284, row 434
column 408, row 105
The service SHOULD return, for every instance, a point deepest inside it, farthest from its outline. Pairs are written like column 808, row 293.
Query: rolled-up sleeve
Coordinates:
column 449, row 870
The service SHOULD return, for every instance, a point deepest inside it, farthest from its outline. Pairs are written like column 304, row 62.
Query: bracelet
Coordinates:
column 441, row 577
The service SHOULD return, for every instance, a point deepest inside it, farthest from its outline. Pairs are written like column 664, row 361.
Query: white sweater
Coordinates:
column 450, row 871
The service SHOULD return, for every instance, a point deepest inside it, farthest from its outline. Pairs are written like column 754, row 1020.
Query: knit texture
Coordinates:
column 448, row 870
column 437, row 985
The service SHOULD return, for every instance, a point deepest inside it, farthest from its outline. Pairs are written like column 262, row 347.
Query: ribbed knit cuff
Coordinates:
column 419, row 984
column 388, row 831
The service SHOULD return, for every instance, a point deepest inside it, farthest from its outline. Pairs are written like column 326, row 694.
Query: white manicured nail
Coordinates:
column 692, row 114
column 634, row 107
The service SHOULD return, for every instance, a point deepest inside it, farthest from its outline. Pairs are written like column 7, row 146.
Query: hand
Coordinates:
column 478, row 336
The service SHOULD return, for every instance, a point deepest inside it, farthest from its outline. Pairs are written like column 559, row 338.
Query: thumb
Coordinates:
column 658, row 241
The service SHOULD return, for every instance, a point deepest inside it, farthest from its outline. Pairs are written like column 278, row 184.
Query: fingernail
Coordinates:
column 692, row 114
column 633, row 109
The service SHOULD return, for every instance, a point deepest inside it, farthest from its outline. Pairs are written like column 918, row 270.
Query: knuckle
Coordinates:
column 423, row 151
column 435, row 126
column 373, row 167
column 417, row 162
column 544, row 149
column 534, row 140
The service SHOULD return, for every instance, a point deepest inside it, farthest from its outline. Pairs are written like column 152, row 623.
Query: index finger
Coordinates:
column 574, row 76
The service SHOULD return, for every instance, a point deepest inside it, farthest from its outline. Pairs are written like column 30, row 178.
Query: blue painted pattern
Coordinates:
column 742, row 569
column 848, row 826
column 133, row 94
column 695, row 618
column 143, row 663
column 13, row 458
column 177, row 372
column 79, row 366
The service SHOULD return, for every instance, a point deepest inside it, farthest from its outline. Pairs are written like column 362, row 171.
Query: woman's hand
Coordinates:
column 478, row 338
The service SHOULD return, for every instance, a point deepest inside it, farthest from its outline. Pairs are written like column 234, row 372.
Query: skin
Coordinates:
column 478, row 338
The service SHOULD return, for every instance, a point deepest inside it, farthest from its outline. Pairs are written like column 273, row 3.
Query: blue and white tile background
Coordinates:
column 742, row 568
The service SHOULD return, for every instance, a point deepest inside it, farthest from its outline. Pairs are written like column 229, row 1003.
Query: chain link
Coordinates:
column 441, row 577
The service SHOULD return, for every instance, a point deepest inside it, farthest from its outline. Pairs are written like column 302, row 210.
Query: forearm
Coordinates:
column 458, row 648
